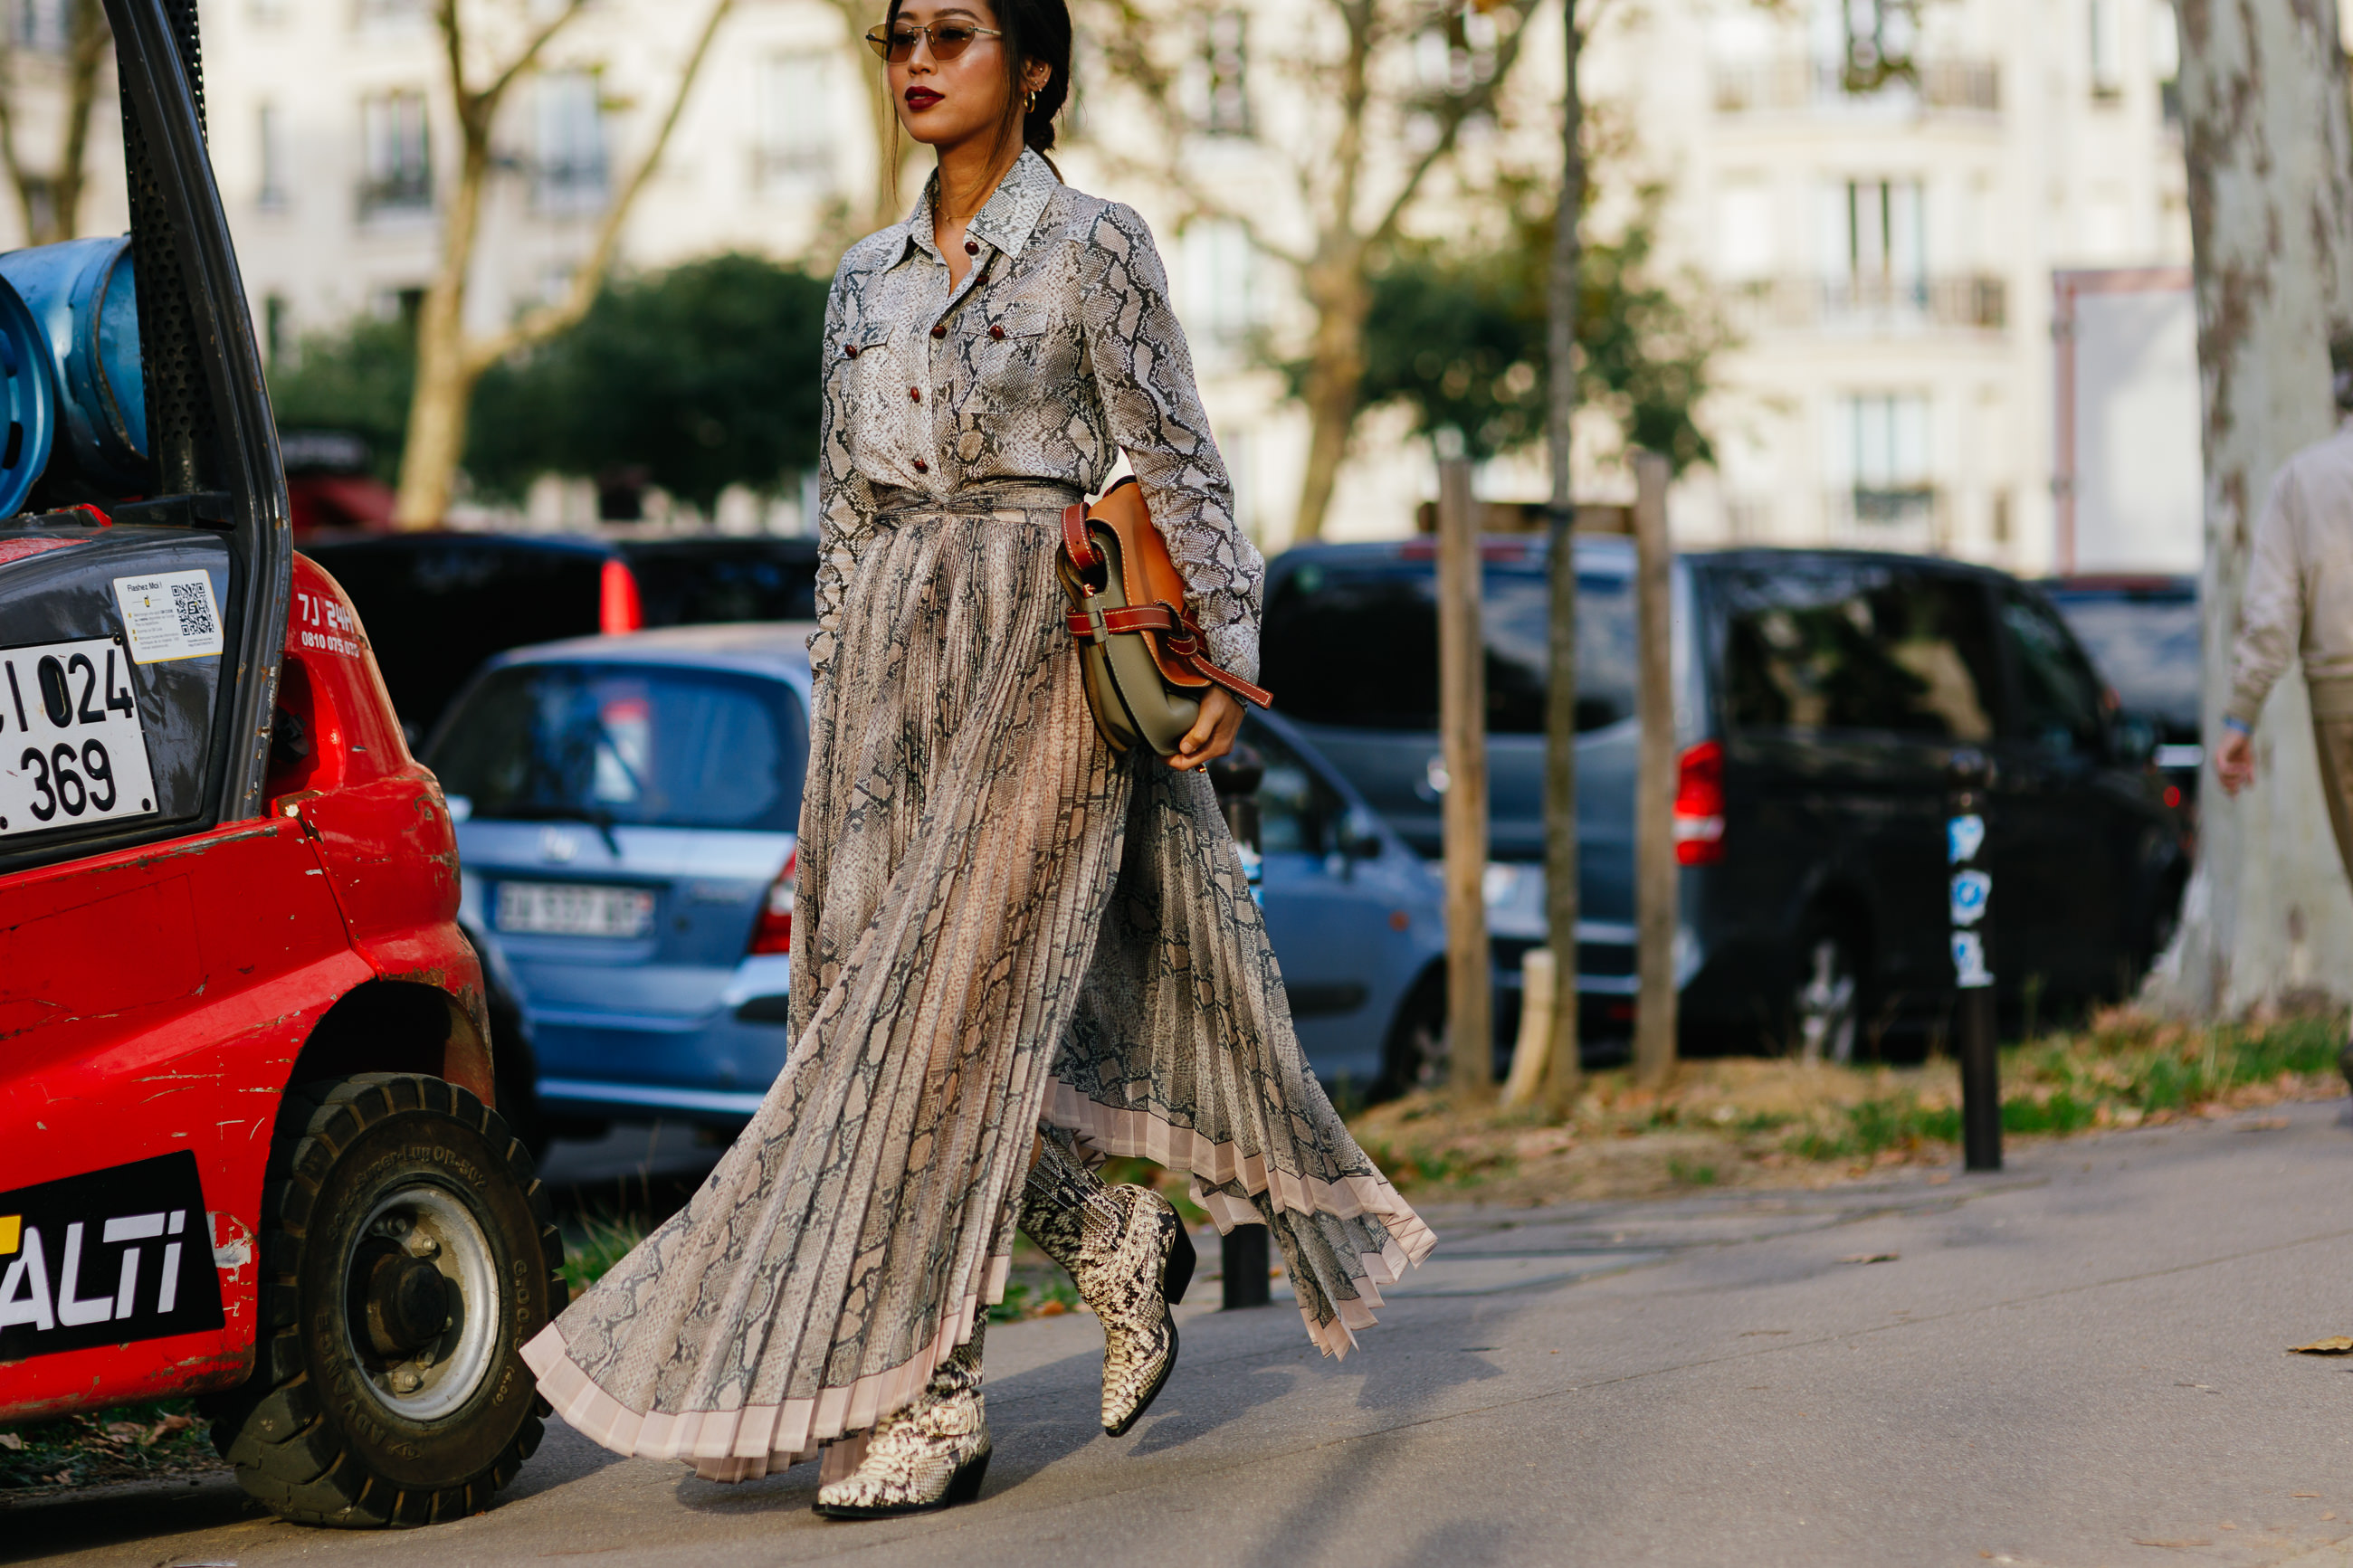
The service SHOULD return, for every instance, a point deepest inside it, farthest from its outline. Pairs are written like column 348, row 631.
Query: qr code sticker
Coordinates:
column 196, row 610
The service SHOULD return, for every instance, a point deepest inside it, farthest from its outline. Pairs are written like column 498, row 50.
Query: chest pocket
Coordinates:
column 865, row 352
column 1019, row 352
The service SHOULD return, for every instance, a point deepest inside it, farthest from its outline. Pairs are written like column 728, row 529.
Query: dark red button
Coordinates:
column 922, row 466
column 996, row 331
column 916, row 392
column 849, row 351
column 972, row 248
column 941, row 330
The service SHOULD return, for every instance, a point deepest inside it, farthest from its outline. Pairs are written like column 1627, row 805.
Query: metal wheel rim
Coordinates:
column 452, row 1366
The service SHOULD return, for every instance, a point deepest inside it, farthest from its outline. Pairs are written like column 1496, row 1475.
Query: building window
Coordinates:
column 398, row 167
column 272, row 193
column 1878, row 247
column 569, row 173
column 1880, row 456
column 1225, row 59
column 1221, row 270
column 2106, row 17
column 796, row 140
column 1875, row 41
column 1744, row 225
column 42, row 25
column 2165, row 59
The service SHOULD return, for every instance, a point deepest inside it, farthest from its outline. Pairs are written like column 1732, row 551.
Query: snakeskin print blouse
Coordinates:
column 1058, row 351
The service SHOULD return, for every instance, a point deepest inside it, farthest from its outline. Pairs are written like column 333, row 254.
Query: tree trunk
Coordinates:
column 1337, row 289
column 2267, row 919
column 435, row 441
column 1564, row 1066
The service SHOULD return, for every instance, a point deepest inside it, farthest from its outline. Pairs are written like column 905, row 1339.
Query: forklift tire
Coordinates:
column 408, row 1252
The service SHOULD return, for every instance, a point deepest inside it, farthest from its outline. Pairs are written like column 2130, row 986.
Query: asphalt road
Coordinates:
column 2078, row 1362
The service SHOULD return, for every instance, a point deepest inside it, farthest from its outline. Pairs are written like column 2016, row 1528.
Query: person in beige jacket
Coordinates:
column 2299, row 602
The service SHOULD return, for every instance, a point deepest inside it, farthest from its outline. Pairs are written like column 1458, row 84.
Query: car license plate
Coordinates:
column 71, row 749
column 564, row 909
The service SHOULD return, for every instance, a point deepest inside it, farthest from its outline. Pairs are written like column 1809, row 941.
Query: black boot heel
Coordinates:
column 1179, row 1272
column 964, row 1485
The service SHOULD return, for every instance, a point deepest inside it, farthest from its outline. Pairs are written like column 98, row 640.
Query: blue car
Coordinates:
column 625, row 810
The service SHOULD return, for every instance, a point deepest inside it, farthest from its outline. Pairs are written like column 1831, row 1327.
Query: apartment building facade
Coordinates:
column 1872, row 195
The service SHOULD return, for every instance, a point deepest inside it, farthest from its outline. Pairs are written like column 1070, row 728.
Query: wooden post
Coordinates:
column 1654, row 785
column 1462, row 724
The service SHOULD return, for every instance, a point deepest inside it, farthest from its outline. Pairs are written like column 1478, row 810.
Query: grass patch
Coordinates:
column 1746, row 1121
column 1046, row 1299
column 130, row 1442
column 594, row 1243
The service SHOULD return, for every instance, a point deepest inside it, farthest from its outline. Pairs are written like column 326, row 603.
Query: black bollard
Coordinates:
column 1969, row 897
column 1236, row 776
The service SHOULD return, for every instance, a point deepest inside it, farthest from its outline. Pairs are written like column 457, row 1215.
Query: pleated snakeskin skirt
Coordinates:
column 999, row 923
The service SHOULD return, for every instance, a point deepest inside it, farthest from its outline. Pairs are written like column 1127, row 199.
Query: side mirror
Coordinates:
column 2132, row 740
column 1360, row 835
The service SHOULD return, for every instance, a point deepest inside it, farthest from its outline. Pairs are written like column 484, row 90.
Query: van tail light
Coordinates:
column 774, row 931
column 618, row 609
column 1699, row 806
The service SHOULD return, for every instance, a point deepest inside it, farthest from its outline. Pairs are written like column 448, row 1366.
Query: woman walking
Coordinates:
column 1016, row 952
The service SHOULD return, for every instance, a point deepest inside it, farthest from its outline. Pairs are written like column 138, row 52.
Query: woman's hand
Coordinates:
column 1212, row 734
column 2235, row 761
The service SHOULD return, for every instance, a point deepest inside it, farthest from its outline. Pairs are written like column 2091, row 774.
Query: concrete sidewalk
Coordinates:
column 2078, row 1362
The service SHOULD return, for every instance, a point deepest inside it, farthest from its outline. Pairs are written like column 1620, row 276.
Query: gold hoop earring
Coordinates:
column 1033, row 101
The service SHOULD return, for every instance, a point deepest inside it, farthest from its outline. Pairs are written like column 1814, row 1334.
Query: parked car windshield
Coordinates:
column 1813, row 645
column 627, row 743
column 2144, row 645
column 1355, row 642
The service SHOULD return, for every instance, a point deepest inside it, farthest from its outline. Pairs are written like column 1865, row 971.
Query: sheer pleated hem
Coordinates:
column 1212, row 1165
column 755, row 1440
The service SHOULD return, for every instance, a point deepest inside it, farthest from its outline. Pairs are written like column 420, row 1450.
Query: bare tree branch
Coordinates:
column 537, row 326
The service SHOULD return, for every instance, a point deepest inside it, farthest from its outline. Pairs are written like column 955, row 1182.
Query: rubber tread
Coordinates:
column 288, row 1456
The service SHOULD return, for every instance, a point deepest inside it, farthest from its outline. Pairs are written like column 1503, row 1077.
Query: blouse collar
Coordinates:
column 1005, row 220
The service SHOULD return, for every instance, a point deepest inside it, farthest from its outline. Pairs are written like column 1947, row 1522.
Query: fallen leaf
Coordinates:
column 1052, row 1309
column 2136, row 1541
column 166, row 1426
column 126, row 1431
column 10, row 1441
column 2304, row 1494
column 2335, row 1344
column 1871, row 1258
column 1761, row 1333
column 2329, row 1515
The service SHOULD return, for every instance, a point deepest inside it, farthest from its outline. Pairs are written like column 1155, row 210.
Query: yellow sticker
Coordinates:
column 12, row 1228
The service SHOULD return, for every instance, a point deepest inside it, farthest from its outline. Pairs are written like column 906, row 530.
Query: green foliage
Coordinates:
column 1023, row 1301
column 1690, row 1172
column 705, row 375
column 357, row 379
column 1459, row 336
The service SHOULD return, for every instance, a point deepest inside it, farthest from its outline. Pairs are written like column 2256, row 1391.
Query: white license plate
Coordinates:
column 562, row 909
column 71, row 751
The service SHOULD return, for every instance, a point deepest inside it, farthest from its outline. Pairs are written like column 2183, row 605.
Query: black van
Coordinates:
column 1818, row 694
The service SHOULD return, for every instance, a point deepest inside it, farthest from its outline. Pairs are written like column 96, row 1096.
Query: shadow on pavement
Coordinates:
column 133, row 1512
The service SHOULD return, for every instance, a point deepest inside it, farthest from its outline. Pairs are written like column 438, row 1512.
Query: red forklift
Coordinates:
column 249, row 1148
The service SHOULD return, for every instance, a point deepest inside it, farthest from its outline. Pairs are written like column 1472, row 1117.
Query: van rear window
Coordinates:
column 1356, row 643
column 1834, row 645
column 698, row 584
column 627, row 743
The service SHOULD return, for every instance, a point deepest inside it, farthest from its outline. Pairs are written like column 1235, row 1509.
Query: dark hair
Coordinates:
column 1034, row 30
column 2340, row 368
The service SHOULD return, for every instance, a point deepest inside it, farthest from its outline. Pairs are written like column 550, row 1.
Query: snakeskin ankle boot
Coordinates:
column 929, row 1456
column 1127, row 1252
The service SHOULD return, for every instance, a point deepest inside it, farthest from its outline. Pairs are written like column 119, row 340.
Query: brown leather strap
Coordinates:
column 1080, row 548
column 1256, row 696
column 1182, row 641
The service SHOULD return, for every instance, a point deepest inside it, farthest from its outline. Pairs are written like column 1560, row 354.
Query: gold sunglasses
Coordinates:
column 896, row 42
